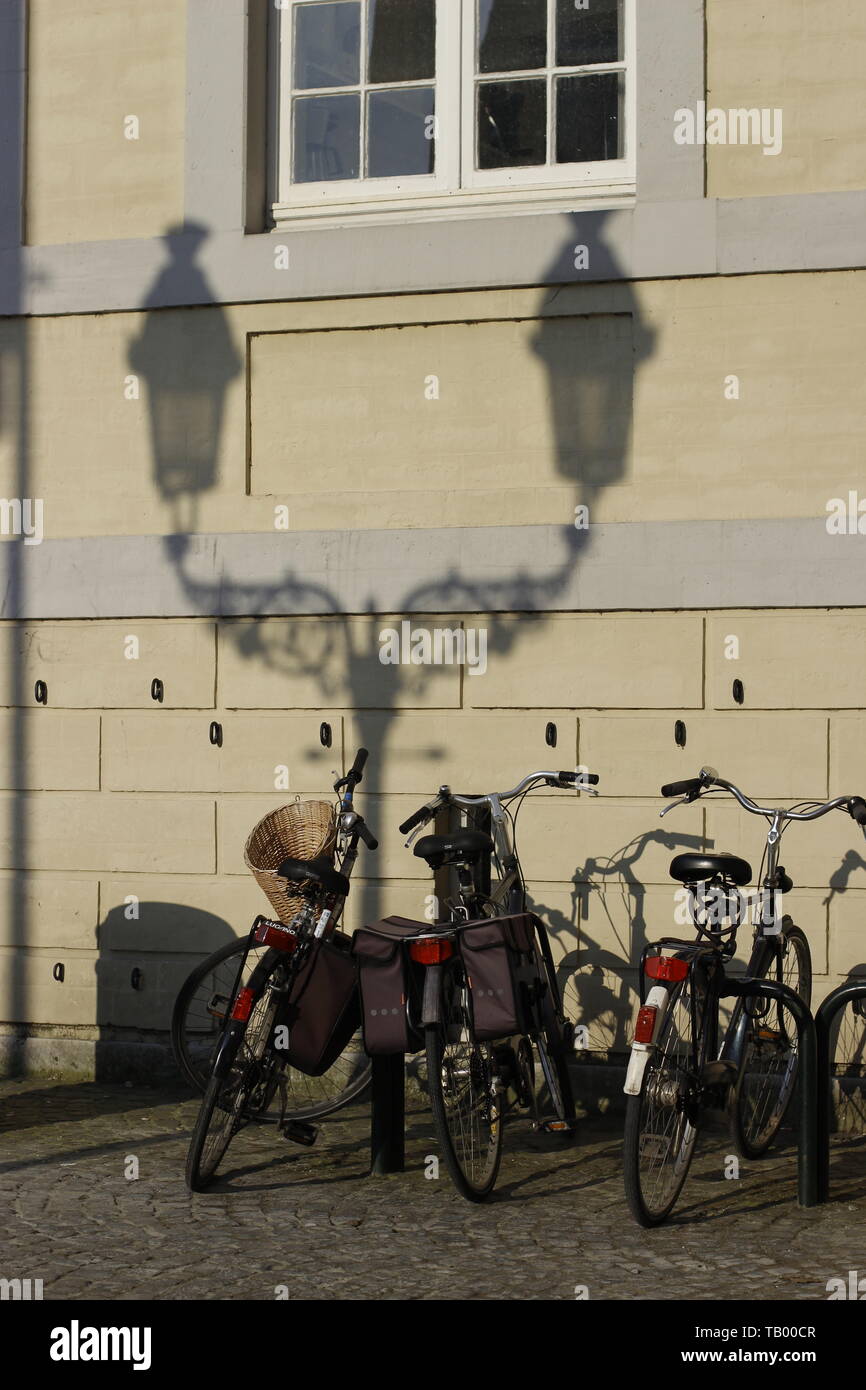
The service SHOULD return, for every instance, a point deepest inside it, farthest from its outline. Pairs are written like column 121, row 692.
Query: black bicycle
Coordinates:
column 682, row 1063
column 473, row 1077
column 249, row 1065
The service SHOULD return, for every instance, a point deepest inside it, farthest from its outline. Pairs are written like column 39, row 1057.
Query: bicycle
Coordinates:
column 678, row 1069
column 248, row 1067
column 469, row 1076
column 198, row 1020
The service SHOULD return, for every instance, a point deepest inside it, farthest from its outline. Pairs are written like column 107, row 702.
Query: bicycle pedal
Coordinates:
column 300, row 1133
column 555, row 1126
column 218, row 1005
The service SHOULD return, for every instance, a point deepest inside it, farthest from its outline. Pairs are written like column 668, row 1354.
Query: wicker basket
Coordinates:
column 301, row 830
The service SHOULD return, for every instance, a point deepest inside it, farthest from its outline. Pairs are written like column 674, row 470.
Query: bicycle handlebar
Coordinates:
column 422, row 815
column 354, row 775
column 445, row 795
column 692, row 787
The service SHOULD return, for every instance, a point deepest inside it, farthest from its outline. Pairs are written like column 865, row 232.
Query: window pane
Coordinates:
column 589, row 122
column 401, row 40
column 593, row 35
column 512, row 35
column 512, row 124
column 327, row 138
column 398, row 126
column 327, row 44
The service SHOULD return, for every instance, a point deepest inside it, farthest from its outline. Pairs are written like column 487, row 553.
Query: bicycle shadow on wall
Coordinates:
column 597, row 981
column 579, row 355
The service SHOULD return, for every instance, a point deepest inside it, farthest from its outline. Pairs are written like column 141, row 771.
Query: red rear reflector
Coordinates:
column 646, row 1022
column 243, row 1005
column 666, row 968
column 431, row 950
column 276, row 935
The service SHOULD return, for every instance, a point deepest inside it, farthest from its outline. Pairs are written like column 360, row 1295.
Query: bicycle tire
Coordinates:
column 470, row 1136
column 194, row 1039
column 848, row 1067
column 768, row 1065
column 236, row 1074
column 665, row 1116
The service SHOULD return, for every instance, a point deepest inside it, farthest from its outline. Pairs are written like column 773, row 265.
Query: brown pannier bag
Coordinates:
column 502, row 970
column 322, row 1011
column 385, row 976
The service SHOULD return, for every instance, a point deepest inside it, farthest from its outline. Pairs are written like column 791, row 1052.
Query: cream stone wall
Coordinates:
column 127, row 801
column 809, row 59
column 93, row 64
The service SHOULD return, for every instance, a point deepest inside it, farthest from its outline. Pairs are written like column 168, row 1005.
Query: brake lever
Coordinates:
column 680, row 801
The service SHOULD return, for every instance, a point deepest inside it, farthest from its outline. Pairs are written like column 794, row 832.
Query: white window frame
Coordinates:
column 456, row 185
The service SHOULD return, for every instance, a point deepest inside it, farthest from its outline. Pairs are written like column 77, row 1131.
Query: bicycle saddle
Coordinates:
column 699, row 868
column 462, row 847
column 319, row 871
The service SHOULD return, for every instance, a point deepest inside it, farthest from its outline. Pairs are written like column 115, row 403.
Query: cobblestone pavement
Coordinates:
column 310, row 1219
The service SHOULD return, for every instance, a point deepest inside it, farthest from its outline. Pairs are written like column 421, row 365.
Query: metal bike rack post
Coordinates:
column 832, row 1005
column 807, row 1079
column 387, row 1124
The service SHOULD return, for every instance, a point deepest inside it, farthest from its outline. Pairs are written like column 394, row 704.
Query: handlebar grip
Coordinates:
column 356, row 771
column 417, row 818
column 857, row 809
column 367, row 836
column 691, row 784
column 578, row 779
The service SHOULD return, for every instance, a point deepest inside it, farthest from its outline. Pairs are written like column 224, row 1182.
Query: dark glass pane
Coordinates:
column 512, row 35
column 401, row 40
column 512, row 124
column 328, row 44
column 327, row 138
column 400, row 132
column 593, row 35
column 589, row 123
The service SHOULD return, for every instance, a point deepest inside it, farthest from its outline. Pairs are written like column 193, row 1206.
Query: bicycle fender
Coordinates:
column 430, row 1012
column 227, row 1049
column 641, row 1052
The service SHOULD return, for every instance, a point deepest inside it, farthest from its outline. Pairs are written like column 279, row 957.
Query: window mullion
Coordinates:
column 551, row 62
column 362, row 94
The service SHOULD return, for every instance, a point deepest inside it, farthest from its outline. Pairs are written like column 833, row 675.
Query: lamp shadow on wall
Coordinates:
column 589, row 390
column 188, row 361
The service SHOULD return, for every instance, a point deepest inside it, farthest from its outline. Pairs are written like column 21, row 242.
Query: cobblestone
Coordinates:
column 312, row 1220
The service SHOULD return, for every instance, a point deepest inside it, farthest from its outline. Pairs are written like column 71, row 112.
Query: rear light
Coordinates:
column 646, row 1024
column 243, row 1005
column 666, row 968
column 431, row 950
column 276, row 935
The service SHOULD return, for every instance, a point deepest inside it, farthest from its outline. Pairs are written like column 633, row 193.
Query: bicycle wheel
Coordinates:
column 848, row 1068
column 465, row 1092
column 196, row 1027
column 245, row 1077
column 768, row 1065
column 661, row 1124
